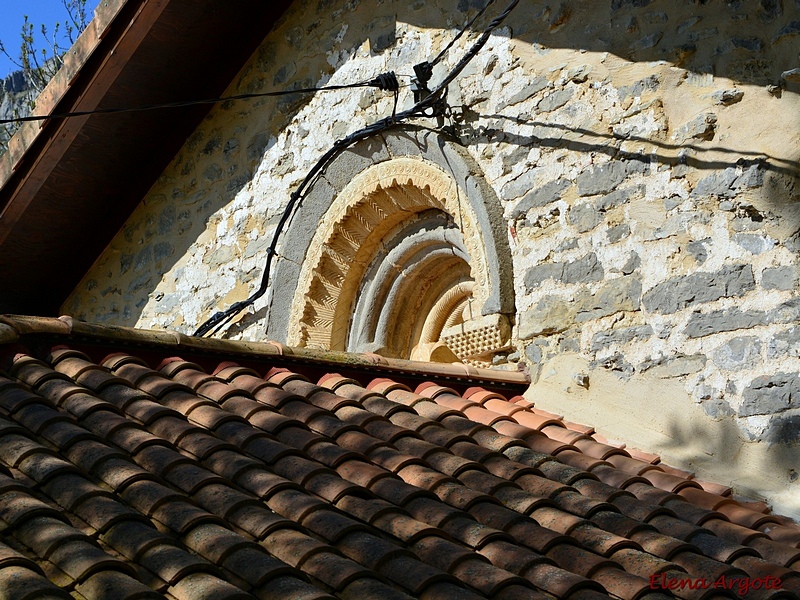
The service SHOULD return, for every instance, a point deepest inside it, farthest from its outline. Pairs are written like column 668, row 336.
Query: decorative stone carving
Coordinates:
column 396, row 260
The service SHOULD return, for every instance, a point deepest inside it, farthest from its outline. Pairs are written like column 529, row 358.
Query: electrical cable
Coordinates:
column 433, row 101
column 441, row 54
column 384, row 81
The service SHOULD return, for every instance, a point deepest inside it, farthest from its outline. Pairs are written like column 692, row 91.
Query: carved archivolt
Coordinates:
column 396, row 262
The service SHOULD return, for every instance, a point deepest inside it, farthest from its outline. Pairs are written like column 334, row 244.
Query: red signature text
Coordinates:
column 740, row 585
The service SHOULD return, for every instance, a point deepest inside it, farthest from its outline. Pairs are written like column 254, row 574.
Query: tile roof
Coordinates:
column 142, row 473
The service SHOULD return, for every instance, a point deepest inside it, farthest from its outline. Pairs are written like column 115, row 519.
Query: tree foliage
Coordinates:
column 38, row 64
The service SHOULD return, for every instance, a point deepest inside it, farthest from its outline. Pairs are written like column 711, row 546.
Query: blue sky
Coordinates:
column 12, row 15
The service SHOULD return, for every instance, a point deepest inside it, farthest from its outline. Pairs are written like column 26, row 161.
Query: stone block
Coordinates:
column 787, row 312
column 742, row 352
column 617, row 295
column 770, row 394
column 539, row 273
column 719, row 321
column 584, row 217
column 753, row 243
column 604, row 339
column 618, row 4
column 534, row 353
column 727, row 97
column 582, row 270
column 550, row 192
column 548, row 316
column 619, row 197
column 678, row 293
column 650, row 83
column 519, row 186
column 792, row 29
column 674, row 366
column 752, row 177
column 698, row 250
column 602, row 179
column 784, row 429
column 534, row 86
column 618, row 232
column 785, row 343
column 634, row 262
column 702, row 127
column 719, row 183
column 779, row 278
column 555, row 100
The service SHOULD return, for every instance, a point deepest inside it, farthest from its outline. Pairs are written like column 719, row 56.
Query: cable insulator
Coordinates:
column 424, row 72
column 386, row 81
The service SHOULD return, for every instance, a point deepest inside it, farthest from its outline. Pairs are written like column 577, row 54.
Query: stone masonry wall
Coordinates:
column 645, row 152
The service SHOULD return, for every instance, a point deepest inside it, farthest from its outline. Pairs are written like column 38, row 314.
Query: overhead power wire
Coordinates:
column 384, row 81
column 464, row 29
column 431, row 102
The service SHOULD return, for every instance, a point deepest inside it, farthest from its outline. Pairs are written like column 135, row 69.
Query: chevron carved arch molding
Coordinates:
column 398, row 266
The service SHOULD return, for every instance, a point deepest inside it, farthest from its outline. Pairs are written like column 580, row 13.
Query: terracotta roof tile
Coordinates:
column 171, row 563
column 218, row 482
column 413, row 574
column 370, row 588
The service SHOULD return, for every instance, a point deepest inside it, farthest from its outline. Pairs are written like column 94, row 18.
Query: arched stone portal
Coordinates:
column 401, row 263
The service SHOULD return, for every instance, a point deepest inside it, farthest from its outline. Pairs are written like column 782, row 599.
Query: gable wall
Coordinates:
column 645, row 156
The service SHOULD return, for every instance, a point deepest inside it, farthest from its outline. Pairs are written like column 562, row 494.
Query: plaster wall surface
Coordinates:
column 645, row 157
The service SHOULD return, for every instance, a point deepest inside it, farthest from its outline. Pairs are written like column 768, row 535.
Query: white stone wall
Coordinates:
column 646, row 156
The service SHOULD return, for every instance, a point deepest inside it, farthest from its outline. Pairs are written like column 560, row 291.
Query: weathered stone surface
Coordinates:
column 779, row 278
column 536, row 275
column 550, row 315
column 620, row 337
column 617, row 295
column 618, row 232
column 790, row 29
column 698, row 250
column 584, row 217
column 534, row 86
column 718, row 183
column 752, row 177
column 519, row 186
column 583, row 270
column 787, row 312
column 784, row 429
column 719, row 321
column 619, row 197
column 752, row 44
column 555, row 100
column 550, row 192
column 717, row 408
column 682, row 292
column 650, row 83
column 727, row 97
column 785, row 343
column 739, row 353
column 770, row 394
column 792, row 75
column 617, row 4
column 615, row 363
column 634, row 262
column 674, row 366
column 753, row 243
column 647, row 42
column 702, row 127
column 533, row 353
column 602, row 179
